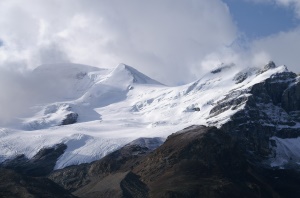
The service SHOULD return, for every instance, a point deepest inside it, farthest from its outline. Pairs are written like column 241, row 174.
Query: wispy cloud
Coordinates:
column 154, row 36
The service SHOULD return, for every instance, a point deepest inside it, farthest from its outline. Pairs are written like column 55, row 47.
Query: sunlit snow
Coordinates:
column 115, row 107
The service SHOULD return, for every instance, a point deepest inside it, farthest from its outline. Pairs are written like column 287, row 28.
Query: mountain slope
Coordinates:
column 198, row 161
column 258, row 106
column 16, row 185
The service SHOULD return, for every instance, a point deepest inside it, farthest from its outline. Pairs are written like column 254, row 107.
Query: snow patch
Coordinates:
column 287, row 151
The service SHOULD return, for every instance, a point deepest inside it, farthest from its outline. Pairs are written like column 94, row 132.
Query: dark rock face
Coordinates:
column 196, row 109
column 198, row 161
column 16, row 185
column 71, row 118
column 277, row 84
column 192, row 164
column 291, row 98
column 207, row 162
column 268, row 106
column 270, row 65
column 40, row 165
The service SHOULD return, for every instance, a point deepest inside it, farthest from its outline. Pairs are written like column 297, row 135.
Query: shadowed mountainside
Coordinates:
column 198, row 161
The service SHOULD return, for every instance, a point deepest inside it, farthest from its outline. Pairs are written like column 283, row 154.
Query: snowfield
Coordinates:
column 117, row 106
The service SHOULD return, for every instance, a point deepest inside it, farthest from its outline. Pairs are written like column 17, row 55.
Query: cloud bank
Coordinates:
column 157, row 37
column 172, row 41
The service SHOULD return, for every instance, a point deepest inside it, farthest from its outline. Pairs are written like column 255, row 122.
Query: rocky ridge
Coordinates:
column 271, row 109
column 198, row 161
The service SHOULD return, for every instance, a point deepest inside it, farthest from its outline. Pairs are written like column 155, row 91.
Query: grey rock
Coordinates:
column 291, row 98
column 268, row 106
column 243, row 75
column 40, row 165
column 270, row 65
column 70, row 118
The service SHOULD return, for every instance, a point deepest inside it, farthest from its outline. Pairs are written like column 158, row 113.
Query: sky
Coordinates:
column 153, row 36
column 173, row 41
column 258, row 20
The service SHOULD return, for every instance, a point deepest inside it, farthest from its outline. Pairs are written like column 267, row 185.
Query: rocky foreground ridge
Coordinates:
column 198, row 161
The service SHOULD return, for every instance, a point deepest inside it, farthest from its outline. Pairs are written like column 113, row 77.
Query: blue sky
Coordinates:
column 257, row 20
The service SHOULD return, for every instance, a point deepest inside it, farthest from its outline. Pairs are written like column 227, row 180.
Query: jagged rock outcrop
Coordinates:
column 270, row 65
column 270, row 108
column 70, row 118
column 40, row 165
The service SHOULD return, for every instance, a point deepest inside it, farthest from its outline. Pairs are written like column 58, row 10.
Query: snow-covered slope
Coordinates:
column 117, row 106
column 68, row 81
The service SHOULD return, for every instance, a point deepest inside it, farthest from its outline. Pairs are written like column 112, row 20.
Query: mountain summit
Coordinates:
column 105, row 109
column 123, row 73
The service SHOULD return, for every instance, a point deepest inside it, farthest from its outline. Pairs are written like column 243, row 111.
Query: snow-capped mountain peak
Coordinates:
column 125, row 74
column 115, row 106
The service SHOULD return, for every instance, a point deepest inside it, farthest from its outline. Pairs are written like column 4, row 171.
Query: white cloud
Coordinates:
column 157, row 37
column 283, row 48
column 295, row 4
column 164, row 39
